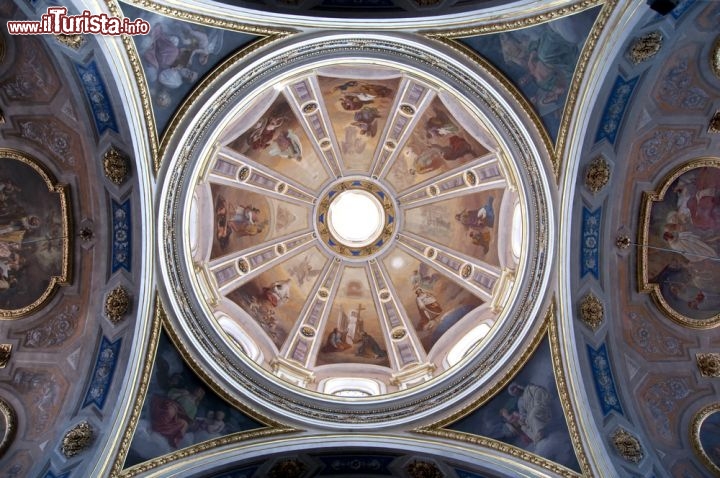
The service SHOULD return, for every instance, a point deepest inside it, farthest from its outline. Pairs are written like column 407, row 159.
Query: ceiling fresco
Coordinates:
column 531, row 289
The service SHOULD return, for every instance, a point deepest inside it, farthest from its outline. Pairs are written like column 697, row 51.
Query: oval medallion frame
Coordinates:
column 50, row 238
column 695, row 438
column 673, row 274
column 8, row 427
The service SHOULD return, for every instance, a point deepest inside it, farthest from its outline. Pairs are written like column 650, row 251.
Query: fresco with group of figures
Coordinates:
column 432, row 302
column 359, row 111
column 277, row 140
column 527, row 413
column 244, row 219
column 276, row 297
column 437, row 144
column 34, row 242
column 180, row 410
column 683, row 235
column 468, row 222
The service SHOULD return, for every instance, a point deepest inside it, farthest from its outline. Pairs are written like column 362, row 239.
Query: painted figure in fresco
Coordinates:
column 479, row 223
column 439, row 125
column 423, row 277
column 366, row 120
column 278, row 292
column 429, row 308
column 303, row 271
column 534, row 409
column 239, row 220
column 336, row 342
column 370, row 348
column 355, row 101
column 427, row 161
column 173, row 415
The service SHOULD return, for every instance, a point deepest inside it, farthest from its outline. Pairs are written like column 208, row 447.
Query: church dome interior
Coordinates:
column 374, row 238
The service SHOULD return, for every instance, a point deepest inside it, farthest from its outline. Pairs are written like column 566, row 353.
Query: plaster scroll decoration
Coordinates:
column 715, row 57
column 5, row 354
column 50, row 136
column 714, row 126
column 645, row 47
column 597, row 175
column 8, row 426
column 627, row 446
column 54, row 331
column 117, row 304
column 678, row 263
column 116, row 165
column 34, row 79
column 424, row 469
column 288, row 467
column 662, row 144
column 34, row 235
column 77, row 439
column 705, row 438
column 592, row 312
column 74, row 42
column 708, row 364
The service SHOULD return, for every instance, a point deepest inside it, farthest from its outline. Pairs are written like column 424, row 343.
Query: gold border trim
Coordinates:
column 644, row 284
column 8, row 413
column 715, row 57
column 548, row 329
column 159, row 323
column 158, row 144
column 555, row 150
column 695, row 425
column 63, row 192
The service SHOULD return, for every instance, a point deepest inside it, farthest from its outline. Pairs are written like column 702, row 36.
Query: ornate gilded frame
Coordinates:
column 158, row 321
column 644, row 284
column 10, row 418
column 63, row 193
column 695, row 425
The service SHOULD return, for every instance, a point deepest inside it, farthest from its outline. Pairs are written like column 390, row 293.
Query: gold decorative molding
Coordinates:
column 74, row 42
column 159, row 320
column 8, row 427
column 644, row 284
column 715, row 57
column 117, row 304
column 547, row 329
column 5, row 354
column 627, row 446
column 65, row 266
column 714, row 125
column 645, row 47
column 622, row 242
column 116, row 165
column 592, row 312
column 708, row 364
column 597, row 175
column 695, row 427
column 77, row 439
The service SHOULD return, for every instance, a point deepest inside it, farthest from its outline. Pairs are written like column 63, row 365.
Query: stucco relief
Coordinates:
column 663, row 400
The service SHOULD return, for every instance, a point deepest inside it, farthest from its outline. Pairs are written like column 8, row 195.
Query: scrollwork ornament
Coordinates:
column 8, row 416
column 627, row 446
column 424, row 469
column 77, row 439
column 117, row 304
column 5, row 353
column 116, row 165
column 597, row 175
column 708, row 364
column 591, row 311
column 645, row 47
column 74, row 42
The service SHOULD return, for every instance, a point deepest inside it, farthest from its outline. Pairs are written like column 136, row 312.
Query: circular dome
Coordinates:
column 356, row 230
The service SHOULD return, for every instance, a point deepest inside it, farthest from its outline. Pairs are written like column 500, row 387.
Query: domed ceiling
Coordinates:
column 478, row 239
column 355, row 226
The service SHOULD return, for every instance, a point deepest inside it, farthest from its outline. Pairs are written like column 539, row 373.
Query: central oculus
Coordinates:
column 356, row 218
